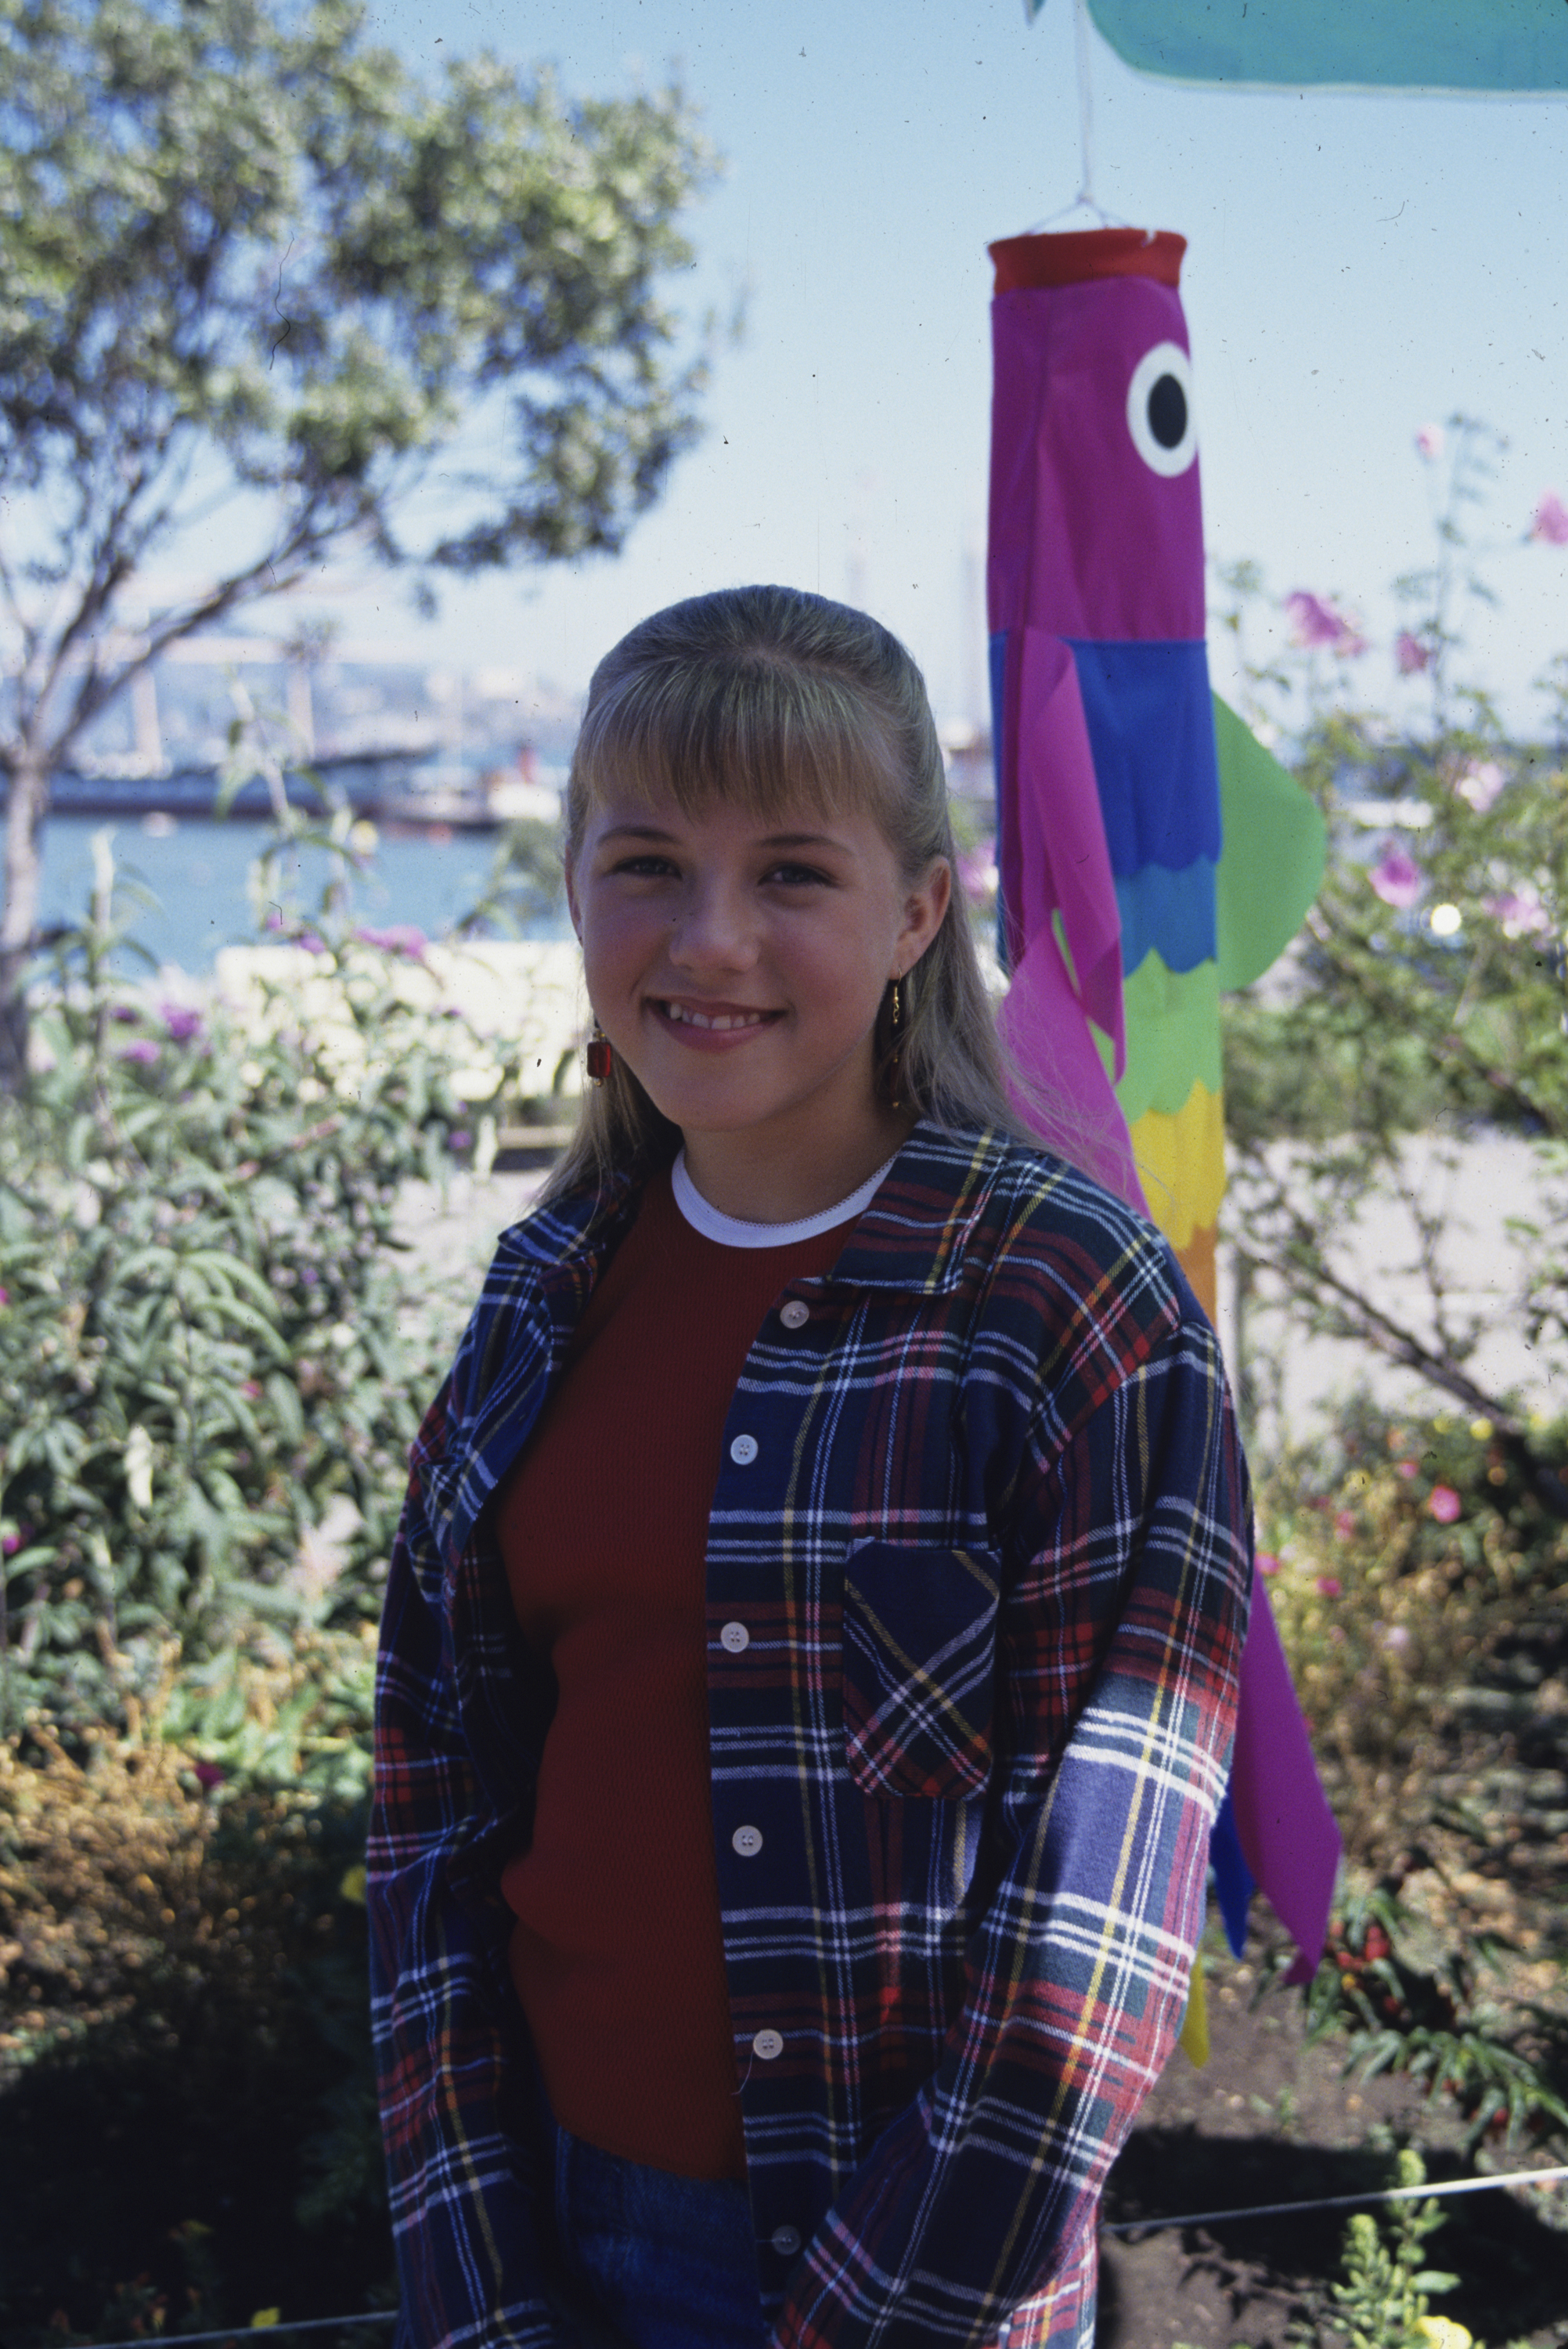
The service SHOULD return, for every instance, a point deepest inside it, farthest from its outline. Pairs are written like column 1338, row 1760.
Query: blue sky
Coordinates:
column 1357, row 265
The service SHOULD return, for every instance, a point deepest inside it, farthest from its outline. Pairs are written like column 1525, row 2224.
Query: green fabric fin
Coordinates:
column 1173, row 1037
column 1275, row 846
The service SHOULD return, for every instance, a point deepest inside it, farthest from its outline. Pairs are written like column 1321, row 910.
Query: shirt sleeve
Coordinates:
column 446, row 2046
column 1128, row 1575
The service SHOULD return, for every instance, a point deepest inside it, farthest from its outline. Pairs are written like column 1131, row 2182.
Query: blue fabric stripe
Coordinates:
column 1169, row 913
column 1151, row 722
column 1234, row 1881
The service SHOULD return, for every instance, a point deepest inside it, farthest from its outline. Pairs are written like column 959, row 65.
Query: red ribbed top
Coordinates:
column 617, row 1952
column 1070, row 257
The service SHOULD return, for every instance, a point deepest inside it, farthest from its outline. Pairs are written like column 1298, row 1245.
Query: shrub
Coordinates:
column 209, row 1366
column 1425, row 993
column 189, row 2117
column 1411, row 1567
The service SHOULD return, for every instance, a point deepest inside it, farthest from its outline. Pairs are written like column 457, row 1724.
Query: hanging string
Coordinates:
column 237, row 2332
column 258, row 2333
column 1085, row 200
column 1086, row 105
column 1340, row 2201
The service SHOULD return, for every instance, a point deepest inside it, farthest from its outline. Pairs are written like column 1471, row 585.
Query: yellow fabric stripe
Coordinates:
column 1181, row 1162
column 1196, row 2029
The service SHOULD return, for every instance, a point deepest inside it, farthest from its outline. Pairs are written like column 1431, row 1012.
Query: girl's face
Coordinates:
column 738, row 964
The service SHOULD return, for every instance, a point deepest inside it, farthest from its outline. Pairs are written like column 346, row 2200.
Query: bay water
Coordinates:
column 196, row 871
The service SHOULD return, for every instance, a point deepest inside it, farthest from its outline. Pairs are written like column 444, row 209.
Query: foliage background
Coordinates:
column 212, row 1352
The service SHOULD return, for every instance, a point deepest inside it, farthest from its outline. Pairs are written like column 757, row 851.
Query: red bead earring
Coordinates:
column 597, row 1059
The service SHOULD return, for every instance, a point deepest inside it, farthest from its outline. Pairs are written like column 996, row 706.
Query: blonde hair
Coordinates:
column 771, row 699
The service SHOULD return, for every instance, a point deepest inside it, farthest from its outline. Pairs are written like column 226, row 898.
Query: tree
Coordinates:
column 249, row 266
column 1425, row 1003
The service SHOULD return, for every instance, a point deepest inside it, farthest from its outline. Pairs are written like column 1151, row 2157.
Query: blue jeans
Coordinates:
column 646, row 2259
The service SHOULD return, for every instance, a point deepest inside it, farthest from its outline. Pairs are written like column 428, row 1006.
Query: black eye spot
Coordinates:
column 1168, row 412
column 1160, row 411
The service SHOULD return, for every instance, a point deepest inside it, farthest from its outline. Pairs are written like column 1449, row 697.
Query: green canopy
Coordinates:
column 1481, row 45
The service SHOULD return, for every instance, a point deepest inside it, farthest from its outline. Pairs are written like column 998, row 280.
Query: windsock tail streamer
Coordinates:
column 1196, row 1258
column 1274, row 1829
column 1066, row 1095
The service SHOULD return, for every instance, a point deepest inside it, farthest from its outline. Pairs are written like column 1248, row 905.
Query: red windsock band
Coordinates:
column 1025, row 262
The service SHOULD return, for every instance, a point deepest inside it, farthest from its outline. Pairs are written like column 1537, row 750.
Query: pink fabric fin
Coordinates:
column 1063, row 853
column 1076, row 1113
column 1287, row 1829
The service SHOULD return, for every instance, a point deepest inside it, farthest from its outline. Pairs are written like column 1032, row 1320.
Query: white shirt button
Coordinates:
column 795, row 1315
column 767, row 2044
column 785, row 2241
column 735, row 1639
column 747, row 1841
column 743, row 1451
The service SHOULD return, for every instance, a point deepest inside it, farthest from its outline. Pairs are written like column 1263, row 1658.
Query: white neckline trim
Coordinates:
column 734, row 1231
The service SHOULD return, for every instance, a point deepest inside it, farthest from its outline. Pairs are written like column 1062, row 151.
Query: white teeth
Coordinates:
column 723, row 1019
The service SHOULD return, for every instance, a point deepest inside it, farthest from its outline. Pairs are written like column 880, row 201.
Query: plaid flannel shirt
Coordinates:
column 985, row 1520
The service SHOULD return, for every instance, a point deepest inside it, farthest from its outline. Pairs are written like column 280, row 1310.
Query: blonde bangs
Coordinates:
column 748, row 730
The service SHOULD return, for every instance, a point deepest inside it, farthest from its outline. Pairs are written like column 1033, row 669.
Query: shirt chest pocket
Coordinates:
column 919, row 1669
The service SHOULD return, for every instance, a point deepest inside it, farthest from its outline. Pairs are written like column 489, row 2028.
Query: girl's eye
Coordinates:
column 650, row 867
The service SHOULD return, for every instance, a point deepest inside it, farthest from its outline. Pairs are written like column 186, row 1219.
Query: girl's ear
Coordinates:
column 925, row 908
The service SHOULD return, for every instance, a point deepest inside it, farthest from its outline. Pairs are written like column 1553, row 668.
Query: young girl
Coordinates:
column 809, row 1666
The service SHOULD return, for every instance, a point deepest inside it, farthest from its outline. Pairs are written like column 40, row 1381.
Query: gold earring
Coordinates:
column 596, row 1059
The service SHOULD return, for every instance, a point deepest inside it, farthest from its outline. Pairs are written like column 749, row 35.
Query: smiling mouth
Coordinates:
column 684, row 1016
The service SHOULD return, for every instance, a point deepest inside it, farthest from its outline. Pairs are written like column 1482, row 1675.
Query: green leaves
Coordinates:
column 216, row 224
column 1425, row 997
column 244, row 256
column 1384, row 2301
column 210, row 1371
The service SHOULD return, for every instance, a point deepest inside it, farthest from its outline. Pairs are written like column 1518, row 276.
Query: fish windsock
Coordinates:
column 1150, row 851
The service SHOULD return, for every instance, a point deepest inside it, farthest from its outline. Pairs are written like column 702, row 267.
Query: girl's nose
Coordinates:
column 713, row 928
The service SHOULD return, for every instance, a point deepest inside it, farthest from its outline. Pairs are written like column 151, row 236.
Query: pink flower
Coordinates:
column 402, row 937
column 10, row 1544
column 182, row 1022
column 1266, row 1562
column 1314, row 621
column 1429, row 441
column 1551, row 522
column 1407, row 1469
column 1445, row 1503
column 141, row 1049
column 1519, row 912
column 1395, row 877
column 1410, row 653
column 1480, row 784
column 207, row 1775
column 5, row 1297
column 1396, row 1636
column 1345, row 1524
column 1330, row 1584
column 460, row 1138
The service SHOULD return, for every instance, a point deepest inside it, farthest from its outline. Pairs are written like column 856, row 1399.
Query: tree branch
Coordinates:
column 1359, row 1318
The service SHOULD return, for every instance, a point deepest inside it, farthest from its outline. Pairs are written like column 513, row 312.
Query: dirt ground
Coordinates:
column 1272, row 2120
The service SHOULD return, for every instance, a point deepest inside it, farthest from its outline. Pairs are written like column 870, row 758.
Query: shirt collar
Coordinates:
column 913, row 1236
